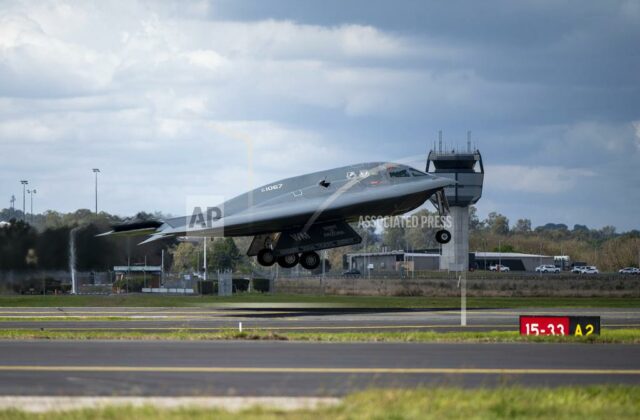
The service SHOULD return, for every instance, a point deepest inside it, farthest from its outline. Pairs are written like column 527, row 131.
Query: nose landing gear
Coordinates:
column 443, row 236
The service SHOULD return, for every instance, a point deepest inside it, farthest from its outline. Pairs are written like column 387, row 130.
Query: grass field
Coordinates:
column 621, row 336
column 595, row 402
column 139, row 300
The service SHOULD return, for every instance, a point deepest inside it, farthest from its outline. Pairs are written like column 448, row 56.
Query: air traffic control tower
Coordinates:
column 467, row 169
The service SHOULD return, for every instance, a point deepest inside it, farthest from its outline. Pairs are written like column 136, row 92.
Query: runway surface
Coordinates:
column 273, row 368
column 288, row 318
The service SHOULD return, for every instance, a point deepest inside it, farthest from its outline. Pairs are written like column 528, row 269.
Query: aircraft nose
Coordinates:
column 439, row 182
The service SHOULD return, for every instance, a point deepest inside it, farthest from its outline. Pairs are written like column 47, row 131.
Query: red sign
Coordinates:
column 544, row 325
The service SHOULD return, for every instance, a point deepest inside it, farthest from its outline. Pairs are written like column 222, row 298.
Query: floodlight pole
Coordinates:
column 31, row 193
column 24, row 183
column 96, row 171
column 205, row 259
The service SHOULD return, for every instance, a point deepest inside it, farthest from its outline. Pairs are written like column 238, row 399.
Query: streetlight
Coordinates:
column 31, row 193
column 24, row 183
column 96, row 171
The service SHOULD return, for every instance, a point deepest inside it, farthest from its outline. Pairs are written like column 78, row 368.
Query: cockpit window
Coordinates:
column 416, row 172
column 398, row 173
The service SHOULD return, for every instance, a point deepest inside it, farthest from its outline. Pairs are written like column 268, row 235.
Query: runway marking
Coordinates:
column 210, row 369
column 299, row 328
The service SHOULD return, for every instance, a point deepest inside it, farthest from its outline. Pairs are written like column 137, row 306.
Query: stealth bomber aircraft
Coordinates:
column 291, row 219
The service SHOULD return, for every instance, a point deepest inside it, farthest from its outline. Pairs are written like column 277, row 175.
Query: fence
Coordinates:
column 447, row 285
column 387, row 284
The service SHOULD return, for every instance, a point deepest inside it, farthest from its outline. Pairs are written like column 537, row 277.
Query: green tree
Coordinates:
column 394, row 237
column 223, row 254
column 522, row 226
column 474, row 221
column 185, row 257
column 498, row 223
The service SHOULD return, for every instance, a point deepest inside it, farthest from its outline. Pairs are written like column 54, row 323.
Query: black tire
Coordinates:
column 310, row 260
column 443, row 236
column 288, row 261
column 266, row 257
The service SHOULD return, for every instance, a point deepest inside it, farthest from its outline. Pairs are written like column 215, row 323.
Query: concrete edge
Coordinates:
column 43, row 404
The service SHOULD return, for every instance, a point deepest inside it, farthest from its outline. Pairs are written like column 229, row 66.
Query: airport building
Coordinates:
column 392, row 261
column 396, row 261
column 514, row 260
column 467, row 169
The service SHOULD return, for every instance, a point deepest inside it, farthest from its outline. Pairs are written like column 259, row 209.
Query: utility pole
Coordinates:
column 96, row 171
column 24, row 183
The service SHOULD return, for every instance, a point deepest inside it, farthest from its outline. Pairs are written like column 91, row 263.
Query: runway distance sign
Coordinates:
column 559, row 325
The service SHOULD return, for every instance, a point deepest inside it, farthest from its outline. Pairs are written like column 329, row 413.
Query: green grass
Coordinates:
column 343, row 301
column 627, row 336
column 593, row 402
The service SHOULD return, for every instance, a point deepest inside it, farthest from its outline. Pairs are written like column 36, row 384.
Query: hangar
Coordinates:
column 514, row 260
column 423, row 261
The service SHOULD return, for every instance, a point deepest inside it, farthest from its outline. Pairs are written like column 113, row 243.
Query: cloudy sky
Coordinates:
column 171, row 99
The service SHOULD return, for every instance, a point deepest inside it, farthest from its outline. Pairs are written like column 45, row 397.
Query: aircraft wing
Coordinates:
column 295, row 213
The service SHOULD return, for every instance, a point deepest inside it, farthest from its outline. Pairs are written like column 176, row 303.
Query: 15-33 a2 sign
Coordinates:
column 559, row 325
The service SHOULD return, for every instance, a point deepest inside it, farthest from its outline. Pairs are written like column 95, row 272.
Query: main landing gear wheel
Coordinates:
column 310, row 260
column 288, row 261
column 266, row 257
column 443, row 236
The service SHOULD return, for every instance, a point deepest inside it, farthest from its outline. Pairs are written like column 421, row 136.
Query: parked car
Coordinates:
column 547, row 269
column 351, row 273
column 498, row 267
column 590, row 269
column 578, row 269
column 629, row 270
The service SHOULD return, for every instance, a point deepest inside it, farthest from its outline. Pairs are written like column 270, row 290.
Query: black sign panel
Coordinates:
column 584, row 325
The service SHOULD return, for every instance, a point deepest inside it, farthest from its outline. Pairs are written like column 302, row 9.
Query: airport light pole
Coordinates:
column 205, row 259
column 31, row 193
column 96, row 171
column 24, row 183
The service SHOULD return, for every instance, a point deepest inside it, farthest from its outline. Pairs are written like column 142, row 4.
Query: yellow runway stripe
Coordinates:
column 207, row 369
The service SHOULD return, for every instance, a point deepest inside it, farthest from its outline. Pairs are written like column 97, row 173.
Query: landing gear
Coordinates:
column 443, row 236
column 310, row 260
column 288, row 261
column 266, row 257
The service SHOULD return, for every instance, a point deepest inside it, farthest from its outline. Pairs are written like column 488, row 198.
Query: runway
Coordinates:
column 241, row 368
column 291, row 318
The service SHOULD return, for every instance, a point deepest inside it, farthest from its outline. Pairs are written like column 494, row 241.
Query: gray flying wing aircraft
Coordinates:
column 293, row 218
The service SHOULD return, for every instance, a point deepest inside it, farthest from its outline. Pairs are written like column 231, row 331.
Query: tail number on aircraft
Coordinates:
column 271, row 188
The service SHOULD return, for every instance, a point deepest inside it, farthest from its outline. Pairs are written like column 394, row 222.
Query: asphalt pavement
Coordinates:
column 292, row 318
column 246, row 368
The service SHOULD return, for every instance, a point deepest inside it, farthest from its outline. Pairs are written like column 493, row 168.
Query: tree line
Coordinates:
column 42, row 242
